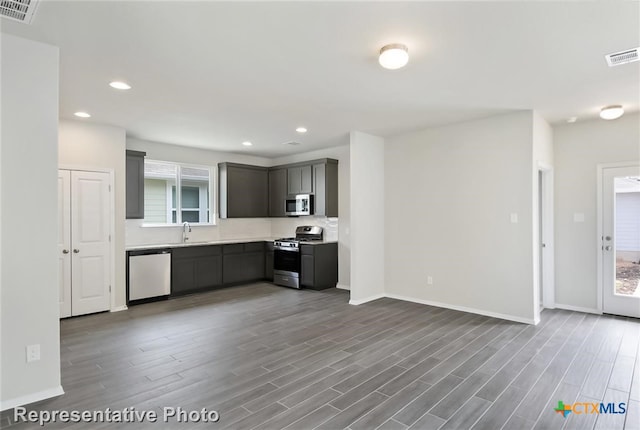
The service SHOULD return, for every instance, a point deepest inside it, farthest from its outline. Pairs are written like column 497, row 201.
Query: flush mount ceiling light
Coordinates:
column 82, row 115
column 572, row 119
column 247, row 143
column 393, row 56
column 301, row 130
column 119, row 85
column 611, row 112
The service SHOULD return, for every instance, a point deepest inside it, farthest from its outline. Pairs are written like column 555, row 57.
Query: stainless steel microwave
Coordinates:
column 299, row 204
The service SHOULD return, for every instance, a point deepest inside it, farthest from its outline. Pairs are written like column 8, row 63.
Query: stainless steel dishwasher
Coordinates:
column 149, row 275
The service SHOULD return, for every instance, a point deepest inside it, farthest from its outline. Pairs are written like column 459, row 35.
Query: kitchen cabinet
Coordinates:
column 319, row 266
column 135, row 184
column 243, row 262
column 196, row 268
column 325, row 188
column 277, row 192
column 300, row 180
column 244, row 191
column 268, row 261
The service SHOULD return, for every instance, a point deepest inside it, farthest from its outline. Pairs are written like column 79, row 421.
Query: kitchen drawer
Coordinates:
column 235, row 248
column 307, row 249
column 254, row 247
column 197, row 251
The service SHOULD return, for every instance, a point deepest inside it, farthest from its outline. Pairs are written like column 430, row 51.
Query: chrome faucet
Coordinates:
column 186, row 229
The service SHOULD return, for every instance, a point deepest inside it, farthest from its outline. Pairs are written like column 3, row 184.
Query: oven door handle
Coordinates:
column 288, row 249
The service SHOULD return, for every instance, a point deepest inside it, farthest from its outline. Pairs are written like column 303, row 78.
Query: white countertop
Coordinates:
column 217, row 242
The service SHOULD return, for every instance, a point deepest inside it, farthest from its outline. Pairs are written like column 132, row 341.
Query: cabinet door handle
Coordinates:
column 75, row 251
column 65, row 251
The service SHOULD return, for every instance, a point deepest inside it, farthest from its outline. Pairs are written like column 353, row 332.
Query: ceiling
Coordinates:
column 214, row 74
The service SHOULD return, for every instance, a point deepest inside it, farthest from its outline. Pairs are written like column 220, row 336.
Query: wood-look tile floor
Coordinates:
column 268, row 357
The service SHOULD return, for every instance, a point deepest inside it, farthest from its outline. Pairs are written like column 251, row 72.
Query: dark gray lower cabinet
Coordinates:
column 268, row 261
column 196, row 268
column 243, row 262
column 319, row 266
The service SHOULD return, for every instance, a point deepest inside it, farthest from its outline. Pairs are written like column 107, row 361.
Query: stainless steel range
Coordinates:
column 286, row 255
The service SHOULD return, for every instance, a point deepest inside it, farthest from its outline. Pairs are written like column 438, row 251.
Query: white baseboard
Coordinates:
column 578, row 309
column 343, row 287
column 367, row 299
column 119, row 308
column 464, row 309
column 30, row 398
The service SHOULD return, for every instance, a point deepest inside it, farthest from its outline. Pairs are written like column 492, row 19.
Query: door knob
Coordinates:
column 607, row 238
column 607, row 248
column 65, row 251
column 75, row 251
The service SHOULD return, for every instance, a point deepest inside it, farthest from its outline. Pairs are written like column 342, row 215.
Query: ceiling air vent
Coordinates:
column 622, row 57
column 18, row 10
column 291, row 143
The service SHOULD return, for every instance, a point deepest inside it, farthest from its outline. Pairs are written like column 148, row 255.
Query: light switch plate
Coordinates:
column 33, row 353
column 578, row 217
column 514, row 218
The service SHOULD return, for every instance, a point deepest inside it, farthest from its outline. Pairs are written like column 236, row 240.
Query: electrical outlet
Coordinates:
column 33, row 353
column 429, row 280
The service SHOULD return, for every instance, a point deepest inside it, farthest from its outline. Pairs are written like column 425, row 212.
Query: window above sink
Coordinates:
column 175, row 193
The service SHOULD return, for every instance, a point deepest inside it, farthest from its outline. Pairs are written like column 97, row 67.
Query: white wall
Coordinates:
column 84, row 144
column 579, row 147
column 449, row 194
column 335, row 229
column 28, row 222
column 367, row 194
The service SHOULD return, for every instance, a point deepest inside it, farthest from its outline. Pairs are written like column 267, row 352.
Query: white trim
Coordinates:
column 465, row 309
column 119, row 308
column 31, row 398
column 599, row 228
column 367, row 299
column 548, row 233
column 578, row 309
column 343, row 287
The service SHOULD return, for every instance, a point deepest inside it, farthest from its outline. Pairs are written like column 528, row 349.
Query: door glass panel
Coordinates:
column 627, row 235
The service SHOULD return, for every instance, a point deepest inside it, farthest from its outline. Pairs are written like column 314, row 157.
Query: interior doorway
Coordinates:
column 545, row 290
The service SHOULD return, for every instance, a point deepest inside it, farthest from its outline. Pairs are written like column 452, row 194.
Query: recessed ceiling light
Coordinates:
column 118, row 85
column 247, row 143
column 394, row 56
column 301, row 130
column 611, row 112
column 82, row 115
column 572, row 119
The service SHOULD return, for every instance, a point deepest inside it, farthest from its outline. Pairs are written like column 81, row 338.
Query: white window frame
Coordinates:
column 178, row 185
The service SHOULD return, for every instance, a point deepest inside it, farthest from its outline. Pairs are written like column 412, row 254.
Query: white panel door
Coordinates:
column 90, row 227
column 620, row 267
column 64, row 242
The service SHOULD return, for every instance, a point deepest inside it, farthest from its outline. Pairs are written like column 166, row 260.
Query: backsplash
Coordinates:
column 235, row 228
column 286, row 227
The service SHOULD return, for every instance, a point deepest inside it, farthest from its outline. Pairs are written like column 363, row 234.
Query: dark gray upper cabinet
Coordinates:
column 244, row 191
column 277, row 192
column 300, row 180
column 135, row 184
column 325, row 188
